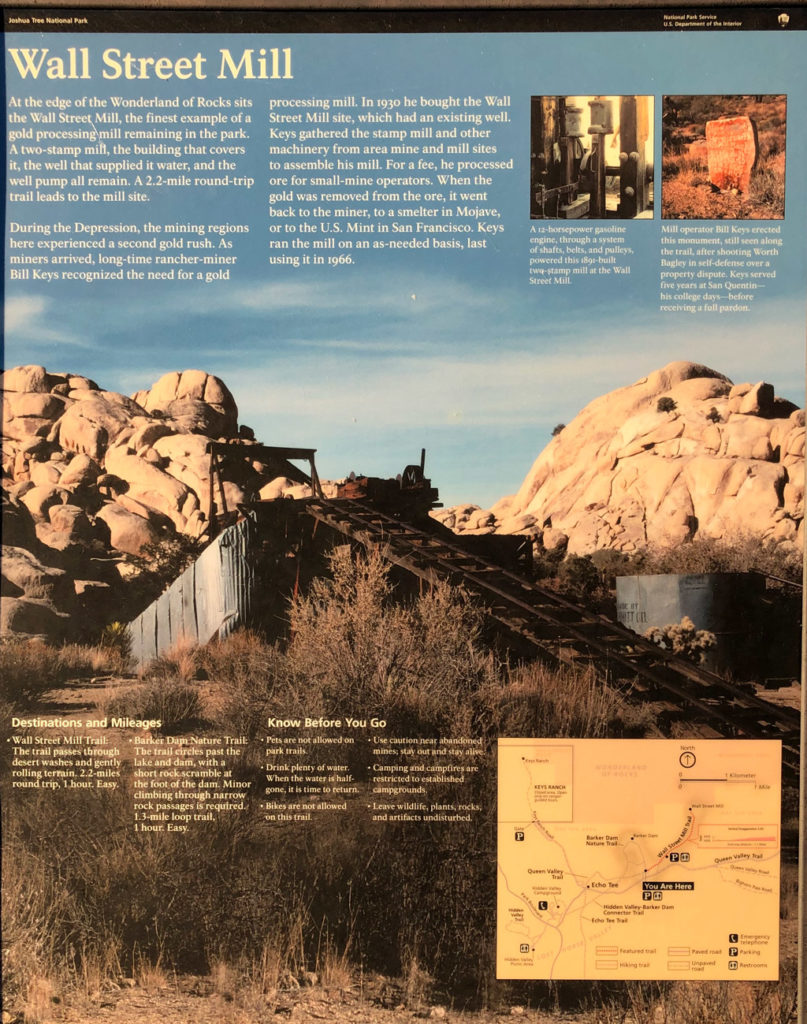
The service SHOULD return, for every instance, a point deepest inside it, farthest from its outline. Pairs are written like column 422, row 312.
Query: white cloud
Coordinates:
column 529, row 380
column 24, row 310
column 30, row 318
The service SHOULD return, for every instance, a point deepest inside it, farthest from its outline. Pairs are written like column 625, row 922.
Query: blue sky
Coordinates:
column 452, row 351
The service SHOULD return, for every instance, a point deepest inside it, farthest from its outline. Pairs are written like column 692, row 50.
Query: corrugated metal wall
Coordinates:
column 726, row 604
column 209, row 599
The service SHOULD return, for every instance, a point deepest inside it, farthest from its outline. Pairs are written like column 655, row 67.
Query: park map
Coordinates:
column 638, row 859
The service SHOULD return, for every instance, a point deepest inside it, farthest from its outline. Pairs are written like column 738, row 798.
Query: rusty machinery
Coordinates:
column 407, row 498
column 410, row 495
column 568, row 178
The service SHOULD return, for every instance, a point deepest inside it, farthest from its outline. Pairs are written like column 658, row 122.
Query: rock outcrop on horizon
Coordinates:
column 682, row 453
column 93, row 477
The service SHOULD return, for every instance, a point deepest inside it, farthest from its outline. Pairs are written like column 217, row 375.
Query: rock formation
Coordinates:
column 682, row 453
column 93, row 477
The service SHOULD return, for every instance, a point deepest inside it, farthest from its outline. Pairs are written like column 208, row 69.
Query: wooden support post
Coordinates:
column 633, row 129
column 316, row 486
column 221, row 488
column 212, row 524
column 598, row 192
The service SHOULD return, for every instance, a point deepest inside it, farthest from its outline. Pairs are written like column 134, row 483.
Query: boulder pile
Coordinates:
column 682, row 453
column 93, row 477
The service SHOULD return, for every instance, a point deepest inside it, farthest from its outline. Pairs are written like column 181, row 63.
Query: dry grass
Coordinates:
column 150, row 976
column 30, row 668
column 334, row 966
column 40, row 997
column 267, row 970
column 542, row 701
column 789, row 892
column 96, row 968
column 31, row 910
column 706, row 1002
column 180, row 663
column 418, row 984
column 178, row 706
column 224, row 979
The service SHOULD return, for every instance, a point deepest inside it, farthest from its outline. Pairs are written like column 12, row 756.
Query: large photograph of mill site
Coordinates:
column 330, row 553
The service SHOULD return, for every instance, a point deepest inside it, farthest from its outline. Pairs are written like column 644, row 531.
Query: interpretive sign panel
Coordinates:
column 349, row 357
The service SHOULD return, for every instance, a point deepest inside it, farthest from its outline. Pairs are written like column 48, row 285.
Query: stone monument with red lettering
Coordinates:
column 731, row 150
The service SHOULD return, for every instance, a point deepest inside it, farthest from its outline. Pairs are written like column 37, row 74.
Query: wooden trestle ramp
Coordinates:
column 566, row 633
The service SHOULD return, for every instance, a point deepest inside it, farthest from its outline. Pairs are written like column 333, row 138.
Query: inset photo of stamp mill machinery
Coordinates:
column 591, row 157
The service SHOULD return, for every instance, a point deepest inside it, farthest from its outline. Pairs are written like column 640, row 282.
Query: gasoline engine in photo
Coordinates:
column 591, row 157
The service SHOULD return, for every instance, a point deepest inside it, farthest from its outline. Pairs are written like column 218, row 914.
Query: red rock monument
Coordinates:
column 731, row 149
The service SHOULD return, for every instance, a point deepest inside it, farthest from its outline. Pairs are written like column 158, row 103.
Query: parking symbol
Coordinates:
column 647, row 896
column 519, row 837
column 674, row 858
column 733, row 951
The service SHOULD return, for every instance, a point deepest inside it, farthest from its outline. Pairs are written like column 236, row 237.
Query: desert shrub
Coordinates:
column 251, row 675
column 611, row 563
column 76, row 661
column 688, row 171
column 28, row 668
column 768, row 189
column 348, row 642
column 579, row 577
column 351, row 645
column 447, row 662
column 684, row 639
column 666, row 404
column 691, row 197
column 168, row 557
column 714, row 416
column 178, row 706
column 179, row 663
column 545, row 564
column 116, row 637
column 558, row 429
column 742, row 553
column 550, row 701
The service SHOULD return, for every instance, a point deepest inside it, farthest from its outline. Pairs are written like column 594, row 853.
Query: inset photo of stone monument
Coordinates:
column 591, row 157
column 723, row 157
